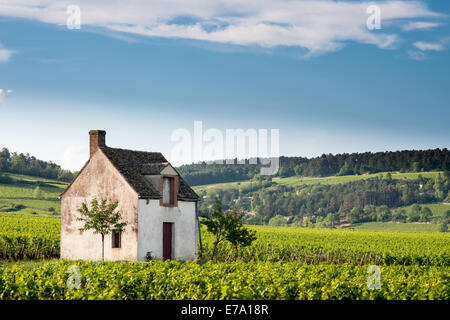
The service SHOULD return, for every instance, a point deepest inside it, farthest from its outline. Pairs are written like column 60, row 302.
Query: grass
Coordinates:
column 294, row 181
column 44, row 205
column 26, row 191
column 22, row 177
column 393, row 226
column 21, row 192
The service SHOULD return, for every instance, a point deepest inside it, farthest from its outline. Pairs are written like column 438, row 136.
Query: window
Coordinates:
column 116, row 239
column 169, row 191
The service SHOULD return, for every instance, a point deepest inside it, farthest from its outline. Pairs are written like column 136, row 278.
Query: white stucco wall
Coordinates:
column 151, row 217
column 100, row 180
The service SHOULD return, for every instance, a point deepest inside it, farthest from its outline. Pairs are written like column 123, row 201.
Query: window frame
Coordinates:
column 116, row 235
column 173, row 191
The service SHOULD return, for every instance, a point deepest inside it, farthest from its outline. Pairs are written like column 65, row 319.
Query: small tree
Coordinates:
column 383, row 213
column 426, row 214
column 414, row 213
column 102, row 219
column 277, row 220
column 227, row 226
column 354, row 215
column 444, row 222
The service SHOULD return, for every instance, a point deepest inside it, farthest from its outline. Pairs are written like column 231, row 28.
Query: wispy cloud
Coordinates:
column 5, row 54
column 4, row 94
column 420, row 25
column 317, row 26
column 417, row 55
column 428, row 46
column 421, row 47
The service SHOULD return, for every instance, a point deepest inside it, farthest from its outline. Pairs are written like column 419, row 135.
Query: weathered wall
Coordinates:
column 101, row 180
column 151, row 217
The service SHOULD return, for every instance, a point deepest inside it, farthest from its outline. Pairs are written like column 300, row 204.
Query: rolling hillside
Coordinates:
column 297, row 181
column 27, row 195
column 20, row 194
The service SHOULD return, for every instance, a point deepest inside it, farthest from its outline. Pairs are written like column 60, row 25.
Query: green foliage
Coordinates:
column 5, row 179
column 25, row 190
column 323, row 166
column 383, row 214
column 426, row 215
column 315, row 245
column 316, row 200
column 443, row 227
column 354, row 215
column 277, row 220
column 26, row 194
column 29, row 165
column 227, row 226
column 399, row 215
column 441, row 187
column 101, row 219
column 444, row 221
column 238, row 280
column 345, row 169
column 397, row 226
column 283, row 263
column 414, row 213
column 28, row 237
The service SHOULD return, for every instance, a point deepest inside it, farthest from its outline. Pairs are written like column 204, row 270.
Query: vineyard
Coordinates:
column 238, row 280
column 283, row 263
column 28, row 237
column 38, row 237
column 357, row 247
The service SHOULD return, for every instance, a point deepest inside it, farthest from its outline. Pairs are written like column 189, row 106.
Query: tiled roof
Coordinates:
column 133, row 165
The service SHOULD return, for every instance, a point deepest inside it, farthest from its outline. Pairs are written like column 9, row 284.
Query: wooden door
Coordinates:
column 167, row 240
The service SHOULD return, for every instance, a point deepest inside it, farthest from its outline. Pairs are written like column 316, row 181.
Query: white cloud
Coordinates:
column 420, row 25
column 428, row 46
column 5, row 54
column 417, row 55
column 317, row 26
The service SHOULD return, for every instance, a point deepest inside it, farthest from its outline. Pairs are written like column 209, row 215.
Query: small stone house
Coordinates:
column 158, row 205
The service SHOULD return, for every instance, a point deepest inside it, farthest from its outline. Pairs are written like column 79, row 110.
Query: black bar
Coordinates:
column 234, row 309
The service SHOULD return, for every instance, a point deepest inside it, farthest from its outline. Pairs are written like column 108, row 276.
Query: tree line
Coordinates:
column 28, row 165
column 325, row 165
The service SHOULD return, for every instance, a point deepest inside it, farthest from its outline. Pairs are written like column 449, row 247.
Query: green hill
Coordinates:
column 336, row 201
column 298, row 181
column 19, row 195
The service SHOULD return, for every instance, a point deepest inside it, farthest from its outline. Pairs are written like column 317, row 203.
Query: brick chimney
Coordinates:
column 96, row 140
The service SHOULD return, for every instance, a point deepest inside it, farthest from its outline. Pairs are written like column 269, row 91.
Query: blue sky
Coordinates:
column 141, row 71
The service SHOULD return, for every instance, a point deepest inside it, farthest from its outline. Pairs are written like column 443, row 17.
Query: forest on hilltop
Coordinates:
column 325, row 165
column 28, row 165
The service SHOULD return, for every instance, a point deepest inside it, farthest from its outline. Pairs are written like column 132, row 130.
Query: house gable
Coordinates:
column 98, row 156
column 169, row 171
column 99, row 179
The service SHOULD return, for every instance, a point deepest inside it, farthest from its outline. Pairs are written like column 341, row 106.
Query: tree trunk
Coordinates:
column 214, row 254
column 103, row 248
